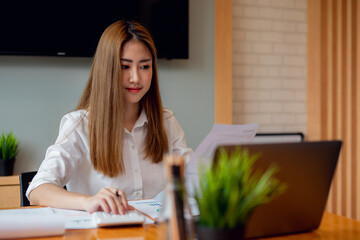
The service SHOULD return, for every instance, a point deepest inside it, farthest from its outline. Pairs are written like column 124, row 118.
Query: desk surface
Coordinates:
column 332, row 227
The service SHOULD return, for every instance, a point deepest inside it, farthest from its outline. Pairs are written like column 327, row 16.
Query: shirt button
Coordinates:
column 136, row 170
column 133, row 147
column 138, row 194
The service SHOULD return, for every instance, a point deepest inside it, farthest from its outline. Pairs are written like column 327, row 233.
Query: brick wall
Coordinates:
column 269, row 64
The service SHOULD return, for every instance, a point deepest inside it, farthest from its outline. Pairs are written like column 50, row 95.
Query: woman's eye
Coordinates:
column 124, row 66
column 145, row 67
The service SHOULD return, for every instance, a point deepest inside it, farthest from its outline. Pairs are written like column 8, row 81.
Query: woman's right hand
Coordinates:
column 108, row 199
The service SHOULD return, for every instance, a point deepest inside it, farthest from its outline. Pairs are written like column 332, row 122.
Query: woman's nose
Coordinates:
column 134, row 76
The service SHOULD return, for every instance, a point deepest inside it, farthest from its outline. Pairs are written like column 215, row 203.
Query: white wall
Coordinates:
column 269, row 64
column 35, row 92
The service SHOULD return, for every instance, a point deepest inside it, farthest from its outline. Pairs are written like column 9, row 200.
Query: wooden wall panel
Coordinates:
column 356, row 127
column 333, row 93
column 223, row 61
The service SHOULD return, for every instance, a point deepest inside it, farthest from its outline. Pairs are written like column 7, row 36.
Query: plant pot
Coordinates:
column 206, row 233
column 7, row 167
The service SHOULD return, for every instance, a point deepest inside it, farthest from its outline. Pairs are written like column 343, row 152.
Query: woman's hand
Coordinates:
column 108, row 200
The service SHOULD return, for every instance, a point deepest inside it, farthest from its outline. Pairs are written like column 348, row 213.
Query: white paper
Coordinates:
column 149, row 207
column 152, row 207
column 36, row 222
column 79, row 222
column 76, row 219
column 220, row 134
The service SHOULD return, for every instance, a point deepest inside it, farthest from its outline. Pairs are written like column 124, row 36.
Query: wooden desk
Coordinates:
column 332, row 227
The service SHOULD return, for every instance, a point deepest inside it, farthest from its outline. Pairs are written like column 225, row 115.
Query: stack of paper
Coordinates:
column 38, row 222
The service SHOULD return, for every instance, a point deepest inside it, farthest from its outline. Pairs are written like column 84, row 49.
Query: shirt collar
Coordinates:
column 141, row 120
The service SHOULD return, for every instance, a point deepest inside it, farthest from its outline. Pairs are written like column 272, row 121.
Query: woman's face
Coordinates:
column 136, row 64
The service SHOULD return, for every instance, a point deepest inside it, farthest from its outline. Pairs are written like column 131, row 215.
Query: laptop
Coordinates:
column 307, row 168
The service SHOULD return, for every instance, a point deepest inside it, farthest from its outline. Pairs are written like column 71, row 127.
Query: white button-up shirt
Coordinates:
column 67, row 162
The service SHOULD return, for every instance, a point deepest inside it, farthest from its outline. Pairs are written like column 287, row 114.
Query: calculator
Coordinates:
column 103, row 219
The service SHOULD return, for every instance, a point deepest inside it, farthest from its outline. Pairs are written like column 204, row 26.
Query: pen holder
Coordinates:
column 175, row 220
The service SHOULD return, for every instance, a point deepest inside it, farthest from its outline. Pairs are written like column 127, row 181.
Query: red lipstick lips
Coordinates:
column 133, row 90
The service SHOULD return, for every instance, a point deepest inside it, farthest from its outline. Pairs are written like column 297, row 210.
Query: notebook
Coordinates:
column 308, row 169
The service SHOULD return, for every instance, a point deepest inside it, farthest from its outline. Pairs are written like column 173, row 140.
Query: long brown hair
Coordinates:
column 104, row 100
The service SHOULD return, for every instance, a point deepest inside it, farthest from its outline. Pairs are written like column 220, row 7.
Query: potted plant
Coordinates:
column 8, row 151
column 229, row 192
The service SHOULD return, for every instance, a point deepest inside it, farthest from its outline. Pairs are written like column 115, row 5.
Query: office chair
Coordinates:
column 25, row 179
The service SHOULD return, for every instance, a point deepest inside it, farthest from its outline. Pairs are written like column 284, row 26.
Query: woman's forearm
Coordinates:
column 54, row 196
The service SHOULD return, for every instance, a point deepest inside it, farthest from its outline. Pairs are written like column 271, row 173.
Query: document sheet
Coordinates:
column 220, row 134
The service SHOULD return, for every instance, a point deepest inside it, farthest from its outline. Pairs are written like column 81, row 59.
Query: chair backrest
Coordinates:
column 25, row 179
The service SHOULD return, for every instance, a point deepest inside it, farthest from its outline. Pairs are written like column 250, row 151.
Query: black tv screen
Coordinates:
column 64, row 28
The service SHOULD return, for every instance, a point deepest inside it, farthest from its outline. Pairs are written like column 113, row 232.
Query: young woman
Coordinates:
column 111, row 147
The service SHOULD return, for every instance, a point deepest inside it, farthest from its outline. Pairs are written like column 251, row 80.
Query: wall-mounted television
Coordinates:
column 70, row 28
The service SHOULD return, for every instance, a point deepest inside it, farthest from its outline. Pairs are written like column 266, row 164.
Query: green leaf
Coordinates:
column 9, row 146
